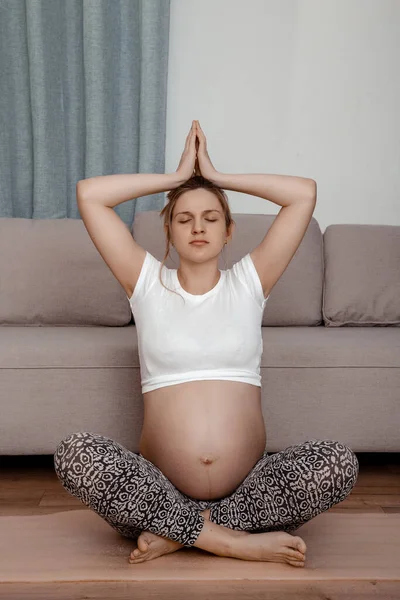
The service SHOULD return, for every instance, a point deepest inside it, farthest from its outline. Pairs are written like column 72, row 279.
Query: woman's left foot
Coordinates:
column 151, row 546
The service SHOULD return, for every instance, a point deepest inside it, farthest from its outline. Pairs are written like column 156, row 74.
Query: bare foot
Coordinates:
column 273, row 546
column 151, row 546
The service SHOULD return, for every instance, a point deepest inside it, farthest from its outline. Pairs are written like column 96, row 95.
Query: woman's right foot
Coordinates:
column 272, row 546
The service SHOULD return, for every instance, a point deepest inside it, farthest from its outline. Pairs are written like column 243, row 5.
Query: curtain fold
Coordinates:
column 83, row 92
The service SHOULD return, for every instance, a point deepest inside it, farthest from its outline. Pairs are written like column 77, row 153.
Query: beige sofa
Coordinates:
column 68, row 347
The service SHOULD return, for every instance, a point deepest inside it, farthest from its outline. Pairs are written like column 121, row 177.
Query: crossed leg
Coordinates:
column 282, row 491
column 129, row 492
column 285, row 490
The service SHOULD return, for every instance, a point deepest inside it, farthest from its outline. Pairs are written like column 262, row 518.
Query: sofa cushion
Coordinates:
column 362, row 275
column 56, row 380
column 52, row 274
column 296, row 299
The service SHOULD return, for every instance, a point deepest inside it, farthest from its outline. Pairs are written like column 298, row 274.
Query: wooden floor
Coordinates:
column 359, row 564
column 29, row 486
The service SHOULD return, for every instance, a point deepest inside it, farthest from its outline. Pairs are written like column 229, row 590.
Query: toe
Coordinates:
column 297, row 563
column 300, row 545
column 142, row 543
column 136, row 561
column 294, row 554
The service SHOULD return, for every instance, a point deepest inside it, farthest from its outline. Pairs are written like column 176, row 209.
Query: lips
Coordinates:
column 198, row 242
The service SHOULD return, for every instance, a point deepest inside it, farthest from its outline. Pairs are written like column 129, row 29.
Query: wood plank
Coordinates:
column 40, row 484
column 28, row 474
column 20, row 498
column 373, row 476
column 371, row 500
column 360, row 510
column 50, row 498
column 375, row 489
column 10, row 511
column 199, row 590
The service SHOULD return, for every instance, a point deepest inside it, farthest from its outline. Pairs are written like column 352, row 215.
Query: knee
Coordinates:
column 340, row 462
column 66, row 454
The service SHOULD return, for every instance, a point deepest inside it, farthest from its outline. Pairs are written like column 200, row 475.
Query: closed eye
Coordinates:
column 206, row 220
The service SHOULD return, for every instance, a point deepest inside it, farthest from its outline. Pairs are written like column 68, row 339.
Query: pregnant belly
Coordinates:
column 205, row 436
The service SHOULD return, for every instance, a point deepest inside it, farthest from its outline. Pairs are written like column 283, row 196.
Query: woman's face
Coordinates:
column 198, row 215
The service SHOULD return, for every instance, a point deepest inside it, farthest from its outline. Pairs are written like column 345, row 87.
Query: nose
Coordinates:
column 198, row 227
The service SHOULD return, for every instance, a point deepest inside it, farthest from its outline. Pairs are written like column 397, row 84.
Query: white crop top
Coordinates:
column 187, row 337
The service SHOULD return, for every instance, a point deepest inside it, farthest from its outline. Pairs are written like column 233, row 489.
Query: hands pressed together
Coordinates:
column 195, row 159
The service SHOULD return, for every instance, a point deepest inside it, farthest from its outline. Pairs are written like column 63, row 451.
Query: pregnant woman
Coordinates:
column 202, row 476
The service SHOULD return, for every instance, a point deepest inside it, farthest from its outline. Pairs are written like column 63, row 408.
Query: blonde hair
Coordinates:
column 195, row 182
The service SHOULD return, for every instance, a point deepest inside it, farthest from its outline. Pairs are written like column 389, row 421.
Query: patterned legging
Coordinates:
column 282, row 491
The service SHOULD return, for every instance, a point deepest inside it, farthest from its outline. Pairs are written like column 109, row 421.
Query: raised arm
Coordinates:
column 96, row 198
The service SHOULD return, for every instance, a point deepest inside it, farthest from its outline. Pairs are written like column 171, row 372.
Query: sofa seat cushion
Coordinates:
column 316, row 382
column 80, row 347
column 315, row 347
column 68, row 347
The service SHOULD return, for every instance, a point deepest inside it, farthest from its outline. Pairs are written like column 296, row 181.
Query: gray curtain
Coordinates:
column 82, row 93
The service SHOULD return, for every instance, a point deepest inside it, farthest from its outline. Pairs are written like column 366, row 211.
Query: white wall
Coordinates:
column 295, row 87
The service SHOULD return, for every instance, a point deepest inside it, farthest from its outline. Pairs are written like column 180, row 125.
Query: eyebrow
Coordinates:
column 187, row 212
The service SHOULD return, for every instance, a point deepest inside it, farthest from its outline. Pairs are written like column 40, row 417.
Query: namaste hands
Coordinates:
column 195, row 159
